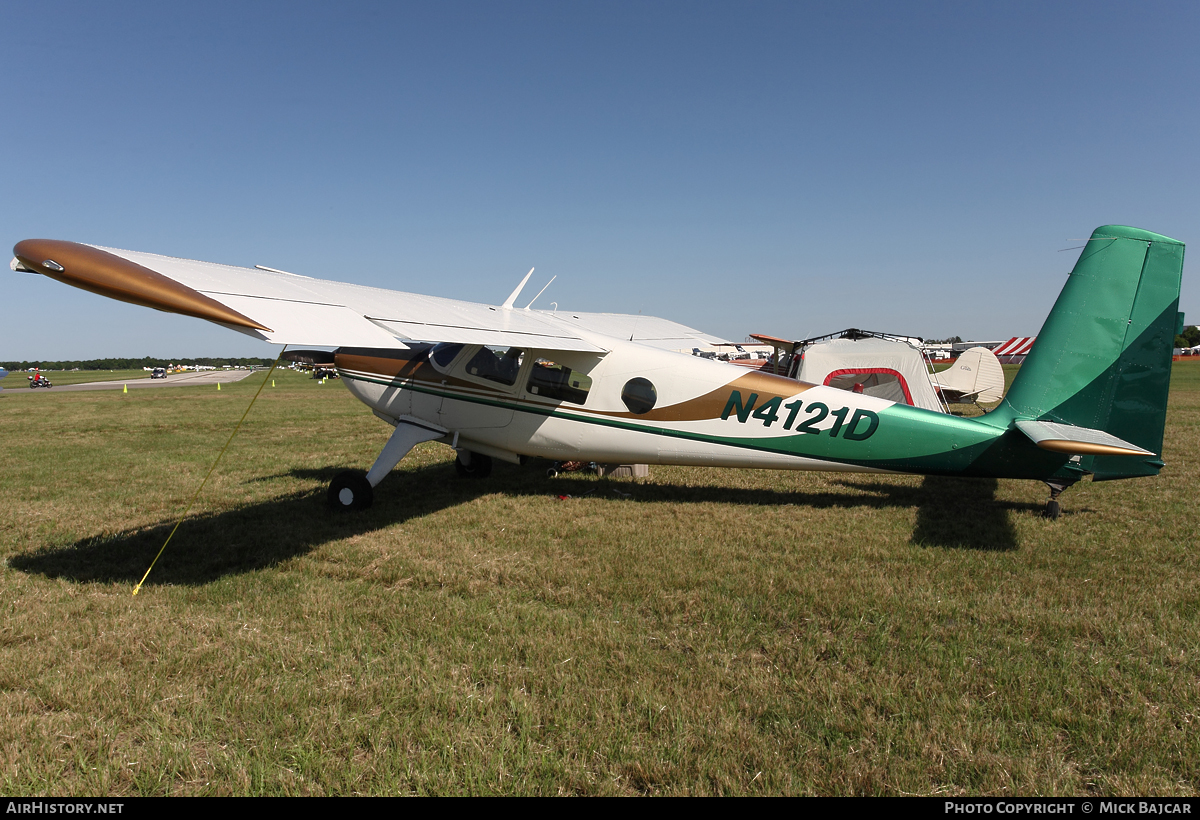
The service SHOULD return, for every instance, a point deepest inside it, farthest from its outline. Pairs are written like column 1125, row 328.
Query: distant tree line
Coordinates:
column 1189, row 338
column 131, row 364
column 953, row 340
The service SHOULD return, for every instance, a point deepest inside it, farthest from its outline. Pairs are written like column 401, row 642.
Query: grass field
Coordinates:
column 716, row 632
column 61, row 378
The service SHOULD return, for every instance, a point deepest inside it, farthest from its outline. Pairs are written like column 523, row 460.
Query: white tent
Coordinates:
column 885, row 368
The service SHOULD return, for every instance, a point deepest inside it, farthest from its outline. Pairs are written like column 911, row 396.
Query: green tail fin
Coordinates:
column 1103, row 357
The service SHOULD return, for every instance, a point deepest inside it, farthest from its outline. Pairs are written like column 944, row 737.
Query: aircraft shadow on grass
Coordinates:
column 951, row 513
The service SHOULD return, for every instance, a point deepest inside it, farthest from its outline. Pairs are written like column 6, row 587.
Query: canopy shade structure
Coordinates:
column 886, row 367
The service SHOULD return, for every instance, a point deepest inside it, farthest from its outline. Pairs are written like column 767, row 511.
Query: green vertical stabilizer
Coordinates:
column 1103, row 357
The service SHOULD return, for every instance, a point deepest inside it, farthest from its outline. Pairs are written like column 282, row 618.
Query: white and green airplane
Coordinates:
column 501, row 382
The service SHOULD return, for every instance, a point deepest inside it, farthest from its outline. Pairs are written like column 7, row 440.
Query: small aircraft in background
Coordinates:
column 502, row 382
column 975, row 377
column 320, row 363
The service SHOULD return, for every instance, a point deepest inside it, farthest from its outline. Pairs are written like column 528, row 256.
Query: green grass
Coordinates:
column 719, row 631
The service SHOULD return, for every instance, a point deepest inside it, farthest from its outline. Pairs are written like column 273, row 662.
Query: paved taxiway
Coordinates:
column 172, row 380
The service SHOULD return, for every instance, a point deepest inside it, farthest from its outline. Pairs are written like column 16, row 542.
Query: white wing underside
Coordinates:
column 304, row 311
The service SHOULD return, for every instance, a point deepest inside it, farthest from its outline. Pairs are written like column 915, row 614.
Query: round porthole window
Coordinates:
column 639, row 395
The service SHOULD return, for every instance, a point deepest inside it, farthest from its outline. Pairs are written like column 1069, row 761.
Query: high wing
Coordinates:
column 287, row 308
column 647, row 330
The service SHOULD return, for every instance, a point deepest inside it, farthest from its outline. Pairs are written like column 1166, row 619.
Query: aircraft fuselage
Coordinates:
column 639, row 404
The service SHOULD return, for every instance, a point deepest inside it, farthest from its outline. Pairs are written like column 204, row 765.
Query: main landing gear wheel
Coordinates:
column 477, row 466
column 350, row 491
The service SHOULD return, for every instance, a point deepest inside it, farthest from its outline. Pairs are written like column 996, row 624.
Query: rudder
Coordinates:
column 1103, row 358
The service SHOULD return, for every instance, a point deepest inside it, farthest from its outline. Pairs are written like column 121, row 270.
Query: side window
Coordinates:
column 443, row 355
column 551, row 380
column 496, row 364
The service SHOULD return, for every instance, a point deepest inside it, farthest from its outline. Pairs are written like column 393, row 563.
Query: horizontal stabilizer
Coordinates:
column 1066, row 438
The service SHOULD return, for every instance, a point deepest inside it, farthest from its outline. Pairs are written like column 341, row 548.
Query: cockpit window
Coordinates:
column 497, row 364
column 443, row 355
column 551, row 380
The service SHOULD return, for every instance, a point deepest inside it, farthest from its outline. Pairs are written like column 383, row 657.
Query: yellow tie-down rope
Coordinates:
column 210, row 471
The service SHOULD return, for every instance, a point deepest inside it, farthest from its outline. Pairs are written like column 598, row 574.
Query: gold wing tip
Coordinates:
column 107, row 274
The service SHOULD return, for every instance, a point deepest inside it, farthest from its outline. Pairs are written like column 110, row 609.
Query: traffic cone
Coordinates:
column 272, row 382
column 218, row 385
column 126, row 390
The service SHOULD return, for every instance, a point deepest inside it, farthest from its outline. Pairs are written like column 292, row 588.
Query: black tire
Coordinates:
column 1053, row 510
column 552, row 473
column 480, row 466
column 350, row 491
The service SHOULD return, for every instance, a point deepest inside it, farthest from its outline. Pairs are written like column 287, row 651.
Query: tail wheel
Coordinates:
column 478, row 466
column 1053, row 509
column 350, row 491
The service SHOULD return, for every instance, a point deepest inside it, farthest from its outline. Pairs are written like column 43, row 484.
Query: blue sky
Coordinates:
column 787, row 168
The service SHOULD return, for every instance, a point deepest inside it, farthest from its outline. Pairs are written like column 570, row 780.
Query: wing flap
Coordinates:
column 647, row 330
column 311, row 323
column 427, row 332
